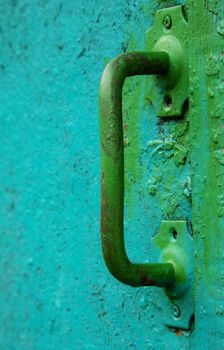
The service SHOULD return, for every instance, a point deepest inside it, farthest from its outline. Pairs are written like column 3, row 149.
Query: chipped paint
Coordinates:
column 207, row 144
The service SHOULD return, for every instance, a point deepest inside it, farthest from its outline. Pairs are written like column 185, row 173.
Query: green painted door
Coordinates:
column 56, row 292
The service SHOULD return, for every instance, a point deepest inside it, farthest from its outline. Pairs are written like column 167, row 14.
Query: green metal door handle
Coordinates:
column 112, row 170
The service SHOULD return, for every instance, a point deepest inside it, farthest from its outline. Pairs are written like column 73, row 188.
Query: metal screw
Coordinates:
column 176, row 311
column 167, row 102
column 167, row 22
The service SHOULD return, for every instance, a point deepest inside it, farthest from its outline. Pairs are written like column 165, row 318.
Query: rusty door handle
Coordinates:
column 112, row 170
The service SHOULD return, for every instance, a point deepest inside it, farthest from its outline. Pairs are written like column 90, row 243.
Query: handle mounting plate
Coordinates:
column 175, row 244
column 169, row 33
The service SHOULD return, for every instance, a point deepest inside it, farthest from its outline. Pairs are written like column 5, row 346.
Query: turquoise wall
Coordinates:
column 56, row 292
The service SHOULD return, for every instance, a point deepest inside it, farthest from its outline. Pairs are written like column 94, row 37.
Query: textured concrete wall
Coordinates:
column 56, row 293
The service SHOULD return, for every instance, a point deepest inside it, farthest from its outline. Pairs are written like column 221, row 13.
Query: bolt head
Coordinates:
column 167, row 22
column 176, row 311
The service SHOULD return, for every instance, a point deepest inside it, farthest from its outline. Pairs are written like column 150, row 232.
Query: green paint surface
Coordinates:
column 207, row 144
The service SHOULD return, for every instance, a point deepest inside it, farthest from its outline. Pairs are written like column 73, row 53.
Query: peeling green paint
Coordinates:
column 207, row 144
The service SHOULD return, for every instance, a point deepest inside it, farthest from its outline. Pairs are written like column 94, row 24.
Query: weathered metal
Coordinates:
column 206, row 31
column 112, row 170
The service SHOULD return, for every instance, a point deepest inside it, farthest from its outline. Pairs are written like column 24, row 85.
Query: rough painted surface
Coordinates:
column 55, row 290
column 207, row 88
